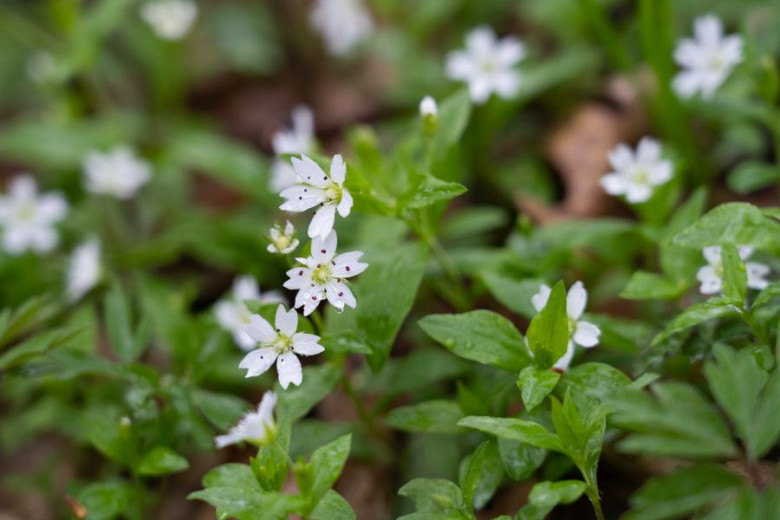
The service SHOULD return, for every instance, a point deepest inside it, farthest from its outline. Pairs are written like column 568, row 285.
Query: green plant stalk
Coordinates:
column 604, row 30
column 593, row 496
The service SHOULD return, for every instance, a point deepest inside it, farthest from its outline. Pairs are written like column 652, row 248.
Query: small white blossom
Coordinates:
column 428, row 107
column 341, row 23
column 283, row 242
column 316, row 188
column 298, row 139
column 118, row 173
column 41, row 67
column 282, row 345
column 84, row 271
column 233, row 314
column 258, row 428
column 581, row 332
column 487, row 64
column 170, row 19
column 711, row 275
column 28, row 218
column 636, row 173
column 321, row 277
column 706, row 60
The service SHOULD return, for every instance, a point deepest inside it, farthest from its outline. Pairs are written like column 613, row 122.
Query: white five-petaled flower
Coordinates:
column 28, row 218
column 706, row 60
column 321, row 277
column 84, row 271
column 711, row 275
column 313, row 188
column 282, row 242
column 233, row 314
column 487, row 64
column 170, row 19
column 636, row 173
column 298, row 139
column 282, row 345
column 342, row 24
column 258, row 428
column 581, row 332
column 118, row 173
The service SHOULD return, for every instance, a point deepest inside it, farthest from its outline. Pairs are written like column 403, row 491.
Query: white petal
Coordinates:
column 480, row 89
column 345, row 204
column 710, row 281
column 306, row 344
column 621, row 157
column 227, row 313
column 338, row 170
column 686, row 83
column 258, row 361
column 301, row 198
column 660, row 173
column 586, row 334
column 260, row 330
column 289, row 368
column 243, row 340
column 507, row 84
column 745, row 252
column 459, row 66
column 323, row 248
column 23, row 187
column 481, row 41
column 339, row 295
column 708, row 29
column 510, row 51
column 300, row 277
column 712, row 254
column 756, row 275
column 648, row 150
column 638, row 193
column 539, row 300
column 245, row 288
column 266, row 407
column 565, row 360
column 286, row 322
column 309, row 171
column 226, row 440
column 576, row 300
column 322, row 222
column 614, row 183
column 346, row 265
column 52, row 207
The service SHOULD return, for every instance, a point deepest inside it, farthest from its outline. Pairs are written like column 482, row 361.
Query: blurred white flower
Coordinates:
column 233, row 314
column 341, row 23
column 258, row 428
column 28, row 218
column 41, row 67
column 118, row 173
column 314, row 187
column 84, row 271
column 707, row 60
column 487, row 64
column 581, row 332
column 283, row 242
column 428, row 107
column 322, row 276
column 281, row 344
column 636, row 173
column 170, row 19
column 298, row 139
column 711, row 275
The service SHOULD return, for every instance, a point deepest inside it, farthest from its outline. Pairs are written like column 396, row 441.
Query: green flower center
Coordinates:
column 333, row 193
column 572, row 325
column 321, row 274
column 282, row 343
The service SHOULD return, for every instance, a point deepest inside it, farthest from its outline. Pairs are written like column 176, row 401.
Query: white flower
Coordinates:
column 118, row 173
column 233, row 315
column 581, row 332
column 636, row 173
column 487, row 64
column 283, row 242
column 258, row 428
column 282, row 345
column 706, row 60
column 322, row 276
column 28, row 218
column 298, row 139
column 84, row 271
column 41, row 67
column 170, row 19
column 314, row 187
column 342, row 24
column 428, row 107
column 711, row 275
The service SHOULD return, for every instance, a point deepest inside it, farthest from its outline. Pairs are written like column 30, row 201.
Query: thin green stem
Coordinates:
column 363, row 412
column 593, row 496
column 319, row 323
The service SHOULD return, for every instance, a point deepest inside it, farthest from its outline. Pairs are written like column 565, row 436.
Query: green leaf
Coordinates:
column 433, row 495
column 734, row 275
column 482, row 336
column 683, row 492
column 437, row 416
column 248, row 504
column 414, row 371
column 454, row 112
column 521, row 430
column 546, row 494
column 222, row 410
column 512, row 293
column 327, row 463
column 270, row 466
column 751, row 176
column 650, row 286
column 161, row 461
column 697, row 313
column 483, row 475
column 769, row 293
column 535, row 384
column 663, row 422
column 548, row 333
column 296, row 401
column 119, row 328
column 581, row 433
column 426, row 190
column 732, row 223
column 107, row 500
column 520, row 460
column 332, row 506
column 766, row 430
column 592, row 383
column 37, row 346
column 231, row 475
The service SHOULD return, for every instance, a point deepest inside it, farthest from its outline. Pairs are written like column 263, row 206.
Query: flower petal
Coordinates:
column 323, row 248
column 338, row 170
column 301, row 198
column 539, row 300
column 266, row 407
column 309, row 171
column 345, row 204
column 289, row 368
column 322, row 222
column 260, row 330
column 286, row 322
column 576, row 300
column 346, row 265
column 258, row 361
column 565, row 360
column 306, row 344
column 586, row 334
